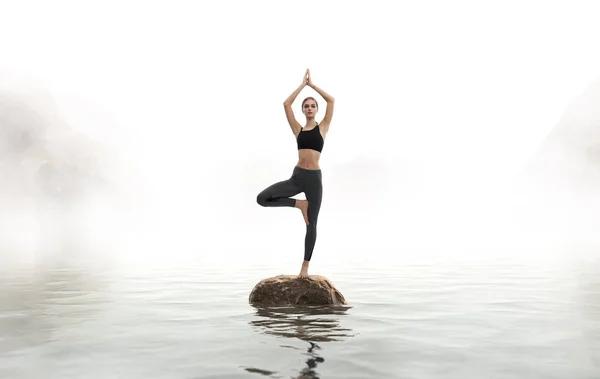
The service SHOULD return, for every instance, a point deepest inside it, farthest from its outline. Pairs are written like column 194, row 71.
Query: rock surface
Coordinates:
column 291, row 290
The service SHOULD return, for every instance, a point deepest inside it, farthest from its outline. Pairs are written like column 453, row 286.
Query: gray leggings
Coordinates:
column 280, row 193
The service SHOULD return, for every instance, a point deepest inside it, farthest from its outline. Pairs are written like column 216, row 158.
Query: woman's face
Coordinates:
column 310, row 108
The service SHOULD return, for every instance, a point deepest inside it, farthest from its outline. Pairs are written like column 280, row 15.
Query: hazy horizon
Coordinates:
column 156, row 127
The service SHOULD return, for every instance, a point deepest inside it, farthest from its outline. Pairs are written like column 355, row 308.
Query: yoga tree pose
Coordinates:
column 306, row 175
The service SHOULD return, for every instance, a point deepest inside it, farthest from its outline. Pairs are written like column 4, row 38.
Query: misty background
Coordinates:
column 145, row 131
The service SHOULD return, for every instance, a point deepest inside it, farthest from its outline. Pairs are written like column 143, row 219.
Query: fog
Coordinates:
column 143, row 133
column 61, row 189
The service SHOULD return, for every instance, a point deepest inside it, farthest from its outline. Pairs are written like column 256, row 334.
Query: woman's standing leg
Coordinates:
column 313, row 189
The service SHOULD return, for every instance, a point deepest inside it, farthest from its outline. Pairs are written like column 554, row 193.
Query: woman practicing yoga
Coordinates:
column 306, row 176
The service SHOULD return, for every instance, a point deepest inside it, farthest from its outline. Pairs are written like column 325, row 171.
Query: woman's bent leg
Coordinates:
column 279, row 194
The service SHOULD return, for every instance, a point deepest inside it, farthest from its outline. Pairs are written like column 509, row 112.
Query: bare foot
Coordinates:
column 303, row 206
column 304, row 270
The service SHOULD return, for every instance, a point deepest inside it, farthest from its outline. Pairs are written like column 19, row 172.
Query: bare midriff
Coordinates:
column 308, row 159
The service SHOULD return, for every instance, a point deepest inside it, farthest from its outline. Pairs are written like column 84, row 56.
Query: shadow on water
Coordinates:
column 311, row 324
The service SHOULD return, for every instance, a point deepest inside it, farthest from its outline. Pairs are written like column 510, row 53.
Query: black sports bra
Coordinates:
column 311, row 139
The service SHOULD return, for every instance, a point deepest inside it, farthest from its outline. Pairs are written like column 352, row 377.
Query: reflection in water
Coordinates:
column 311, row 324
column 311, row 363
column 308, row 323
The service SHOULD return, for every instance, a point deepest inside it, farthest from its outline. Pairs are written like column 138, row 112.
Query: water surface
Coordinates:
column 62, row 319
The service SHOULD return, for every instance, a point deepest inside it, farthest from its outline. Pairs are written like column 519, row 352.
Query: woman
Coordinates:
column 306, row 176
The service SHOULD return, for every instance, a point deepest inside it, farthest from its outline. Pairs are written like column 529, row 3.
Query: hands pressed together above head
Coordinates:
column 307, row 79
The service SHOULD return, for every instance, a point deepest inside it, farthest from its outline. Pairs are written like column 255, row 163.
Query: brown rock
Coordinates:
column 291, row 290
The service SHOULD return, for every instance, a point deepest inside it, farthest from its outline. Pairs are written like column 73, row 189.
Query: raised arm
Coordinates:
column 330, row 103
column 287, row 106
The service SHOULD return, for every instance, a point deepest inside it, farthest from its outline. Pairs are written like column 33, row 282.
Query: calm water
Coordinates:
column 444, row 320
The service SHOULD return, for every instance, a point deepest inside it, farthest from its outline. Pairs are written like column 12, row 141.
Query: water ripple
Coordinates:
column 446, row 321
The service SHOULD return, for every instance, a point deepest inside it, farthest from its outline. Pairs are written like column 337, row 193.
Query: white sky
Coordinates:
column 432, row 98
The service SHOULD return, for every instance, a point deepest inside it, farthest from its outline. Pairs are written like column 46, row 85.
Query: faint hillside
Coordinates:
column 557, row 194
column 55, row 181
column 569, row 157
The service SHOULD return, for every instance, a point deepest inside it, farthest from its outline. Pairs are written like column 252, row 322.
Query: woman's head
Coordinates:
column 310, row 107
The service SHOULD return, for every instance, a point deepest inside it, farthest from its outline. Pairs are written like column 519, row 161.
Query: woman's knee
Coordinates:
column 262, row 199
